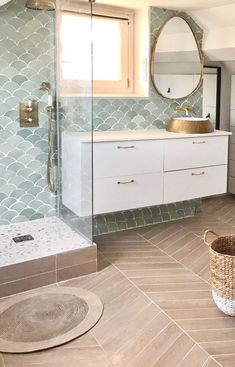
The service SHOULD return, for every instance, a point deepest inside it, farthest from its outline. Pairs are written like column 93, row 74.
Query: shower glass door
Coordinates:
column 74, row 80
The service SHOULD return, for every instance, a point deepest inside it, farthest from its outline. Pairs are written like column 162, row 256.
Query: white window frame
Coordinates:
column 126, row 84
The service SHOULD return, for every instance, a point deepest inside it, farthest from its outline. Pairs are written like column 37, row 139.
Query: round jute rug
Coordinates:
column 46, row 318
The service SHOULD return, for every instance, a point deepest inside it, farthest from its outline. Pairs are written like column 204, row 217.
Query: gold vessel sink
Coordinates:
column 190, row 125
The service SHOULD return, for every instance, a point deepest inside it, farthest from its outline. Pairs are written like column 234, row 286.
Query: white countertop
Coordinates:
column 133, row 135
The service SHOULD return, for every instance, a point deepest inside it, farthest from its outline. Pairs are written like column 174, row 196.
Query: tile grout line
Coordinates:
column 208, row 360
column 105, row 353
column 185, row 356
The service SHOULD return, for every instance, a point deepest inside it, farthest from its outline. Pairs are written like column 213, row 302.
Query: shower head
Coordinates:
column 46, row 87
column 40, row 4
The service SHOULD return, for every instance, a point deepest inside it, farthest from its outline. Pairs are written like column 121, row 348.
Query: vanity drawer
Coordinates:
column 195, row 152
column 127, row 192
column 124, row 158
column 194, row 183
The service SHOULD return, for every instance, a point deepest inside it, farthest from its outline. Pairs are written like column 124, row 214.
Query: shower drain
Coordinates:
column 23, row 238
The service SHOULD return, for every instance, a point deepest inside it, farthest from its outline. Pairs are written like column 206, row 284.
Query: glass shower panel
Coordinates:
column 75, row 115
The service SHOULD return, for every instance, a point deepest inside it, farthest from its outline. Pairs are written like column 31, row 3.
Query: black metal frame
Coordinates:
column 218, row 95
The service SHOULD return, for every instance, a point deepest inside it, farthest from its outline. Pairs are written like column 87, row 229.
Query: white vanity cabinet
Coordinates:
column 136, row 169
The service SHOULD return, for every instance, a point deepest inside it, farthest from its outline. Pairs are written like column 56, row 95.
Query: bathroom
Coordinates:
column 116, row 155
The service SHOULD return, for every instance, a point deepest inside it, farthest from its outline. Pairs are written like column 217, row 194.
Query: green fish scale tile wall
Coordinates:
column 27, row 58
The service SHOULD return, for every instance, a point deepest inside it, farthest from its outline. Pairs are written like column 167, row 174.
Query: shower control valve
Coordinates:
column 29, row 113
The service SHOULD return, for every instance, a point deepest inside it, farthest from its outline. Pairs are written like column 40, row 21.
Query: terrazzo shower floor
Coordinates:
column 51, row 236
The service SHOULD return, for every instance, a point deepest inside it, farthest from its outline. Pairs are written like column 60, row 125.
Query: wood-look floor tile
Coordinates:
column 195, row 358
column 91, row 356
column 157, row 347
column 225, row 360
column 179, row 244
column 91, row 280
column 140, row 260
column 171, row 287
column 212, row 363
column 197, row 313
column 187, row 248
column 176, row 352
column 212, row 323
column 201, row 262
column 122, row 334
column 219, row 347
column 155, row 273
column 149, row 249
column 143, row 230
column 213, row 335
column 161, row 231
column 129, row 253
column 205, row 273
column 112, row 287
column 84, row 341
column 185, row 304
column 190, row 258
column 180, row 296
column 104, row 331
column 117, row 306
column 220, row 229
column 149, row 266
column 124, row 356
column 169, row 241
column 173, row 279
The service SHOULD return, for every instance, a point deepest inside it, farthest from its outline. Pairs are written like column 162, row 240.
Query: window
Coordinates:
column 112, row 44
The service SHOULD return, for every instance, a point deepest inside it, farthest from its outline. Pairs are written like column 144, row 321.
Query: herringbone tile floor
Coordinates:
column 159, row 312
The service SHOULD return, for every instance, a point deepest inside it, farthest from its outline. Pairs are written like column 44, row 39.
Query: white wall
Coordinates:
column 231, row 186
column 225, row 99
column 209, row 96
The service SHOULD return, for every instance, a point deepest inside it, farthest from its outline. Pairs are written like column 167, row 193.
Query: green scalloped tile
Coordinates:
column 18, row 207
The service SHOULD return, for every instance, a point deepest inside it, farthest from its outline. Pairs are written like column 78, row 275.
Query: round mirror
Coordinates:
column 176, row 65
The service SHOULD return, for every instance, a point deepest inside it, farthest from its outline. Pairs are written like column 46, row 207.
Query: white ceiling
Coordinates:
column 171, row 4
column 217, row 17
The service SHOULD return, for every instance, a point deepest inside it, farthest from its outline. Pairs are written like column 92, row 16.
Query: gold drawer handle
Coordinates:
column 199, row 142
column 128, row 147
column 125, row 182
column 198, row 174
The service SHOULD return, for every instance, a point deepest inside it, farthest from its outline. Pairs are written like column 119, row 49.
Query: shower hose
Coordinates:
column 51, row 159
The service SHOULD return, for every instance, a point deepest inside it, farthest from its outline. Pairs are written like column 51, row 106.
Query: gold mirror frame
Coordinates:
column 201, row 56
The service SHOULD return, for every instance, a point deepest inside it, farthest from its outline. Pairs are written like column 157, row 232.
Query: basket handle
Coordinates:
column 206, row 235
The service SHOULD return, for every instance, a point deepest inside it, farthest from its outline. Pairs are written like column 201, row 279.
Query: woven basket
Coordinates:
column 222, row 267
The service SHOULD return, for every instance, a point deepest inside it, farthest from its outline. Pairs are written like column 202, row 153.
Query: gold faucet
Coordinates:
column 185, row 107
